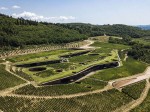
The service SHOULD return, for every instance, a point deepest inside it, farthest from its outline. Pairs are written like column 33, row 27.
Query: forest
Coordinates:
column 20, row 32
column 139, row 51
column 110, row 30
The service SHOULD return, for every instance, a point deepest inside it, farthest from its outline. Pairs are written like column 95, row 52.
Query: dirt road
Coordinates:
column 87, row 46
column 106, row 88
column 131, row 80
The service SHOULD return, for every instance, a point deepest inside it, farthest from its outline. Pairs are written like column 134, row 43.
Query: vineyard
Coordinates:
column 74, row 56
column 105, row 101
column 83, row 86
column 8, row 80
column 22, row 76
column 41, row 49
column 135, row 90
column 144, row 105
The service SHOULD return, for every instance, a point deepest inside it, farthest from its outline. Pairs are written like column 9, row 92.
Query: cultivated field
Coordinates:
column 82, row 80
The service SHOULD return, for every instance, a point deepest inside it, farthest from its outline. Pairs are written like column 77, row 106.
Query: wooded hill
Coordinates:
column 20, row 32
column 111, row 30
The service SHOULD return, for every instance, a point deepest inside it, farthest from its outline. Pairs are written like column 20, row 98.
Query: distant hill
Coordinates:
column 115, row 30
column 20, row 32
column 144, row 27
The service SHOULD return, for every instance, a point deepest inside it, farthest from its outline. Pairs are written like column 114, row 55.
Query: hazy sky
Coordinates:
column 131, row 12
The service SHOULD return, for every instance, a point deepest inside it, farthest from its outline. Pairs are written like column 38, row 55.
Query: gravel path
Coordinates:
column 125, row 58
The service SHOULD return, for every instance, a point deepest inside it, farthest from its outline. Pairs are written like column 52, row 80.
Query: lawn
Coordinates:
column 110, row 45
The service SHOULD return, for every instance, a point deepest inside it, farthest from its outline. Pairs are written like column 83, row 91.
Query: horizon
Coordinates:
column 130, row 12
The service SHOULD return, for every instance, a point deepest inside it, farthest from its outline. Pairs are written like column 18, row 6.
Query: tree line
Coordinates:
column 110, row 30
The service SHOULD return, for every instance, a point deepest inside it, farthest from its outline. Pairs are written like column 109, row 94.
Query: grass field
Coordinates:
column 144, row 40
column 110, row 46
column 64, row 66
column 103, row 38
column 130, row 67
column 46, row 73
column 8, row 80
column 100, row 38
column 38, row 56
column 102, row 102
column 84, row 58
column 77, row 67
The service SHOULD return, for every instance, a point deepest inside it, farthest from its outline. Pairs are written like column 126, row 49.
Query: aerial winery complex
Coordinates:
column 63, row 64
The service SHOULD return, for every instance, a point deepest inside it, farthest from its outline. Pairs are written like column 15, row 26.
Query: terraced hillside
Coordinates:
column 95, row 89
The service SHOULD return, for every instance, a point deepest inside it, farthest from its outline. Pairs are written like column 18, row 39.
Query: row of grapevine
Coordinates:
column 85, row 85
column 24, row 75
column 101, row 102
column 134, row 90
column 41, row 49
column 8, row 80
column 144, row 106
